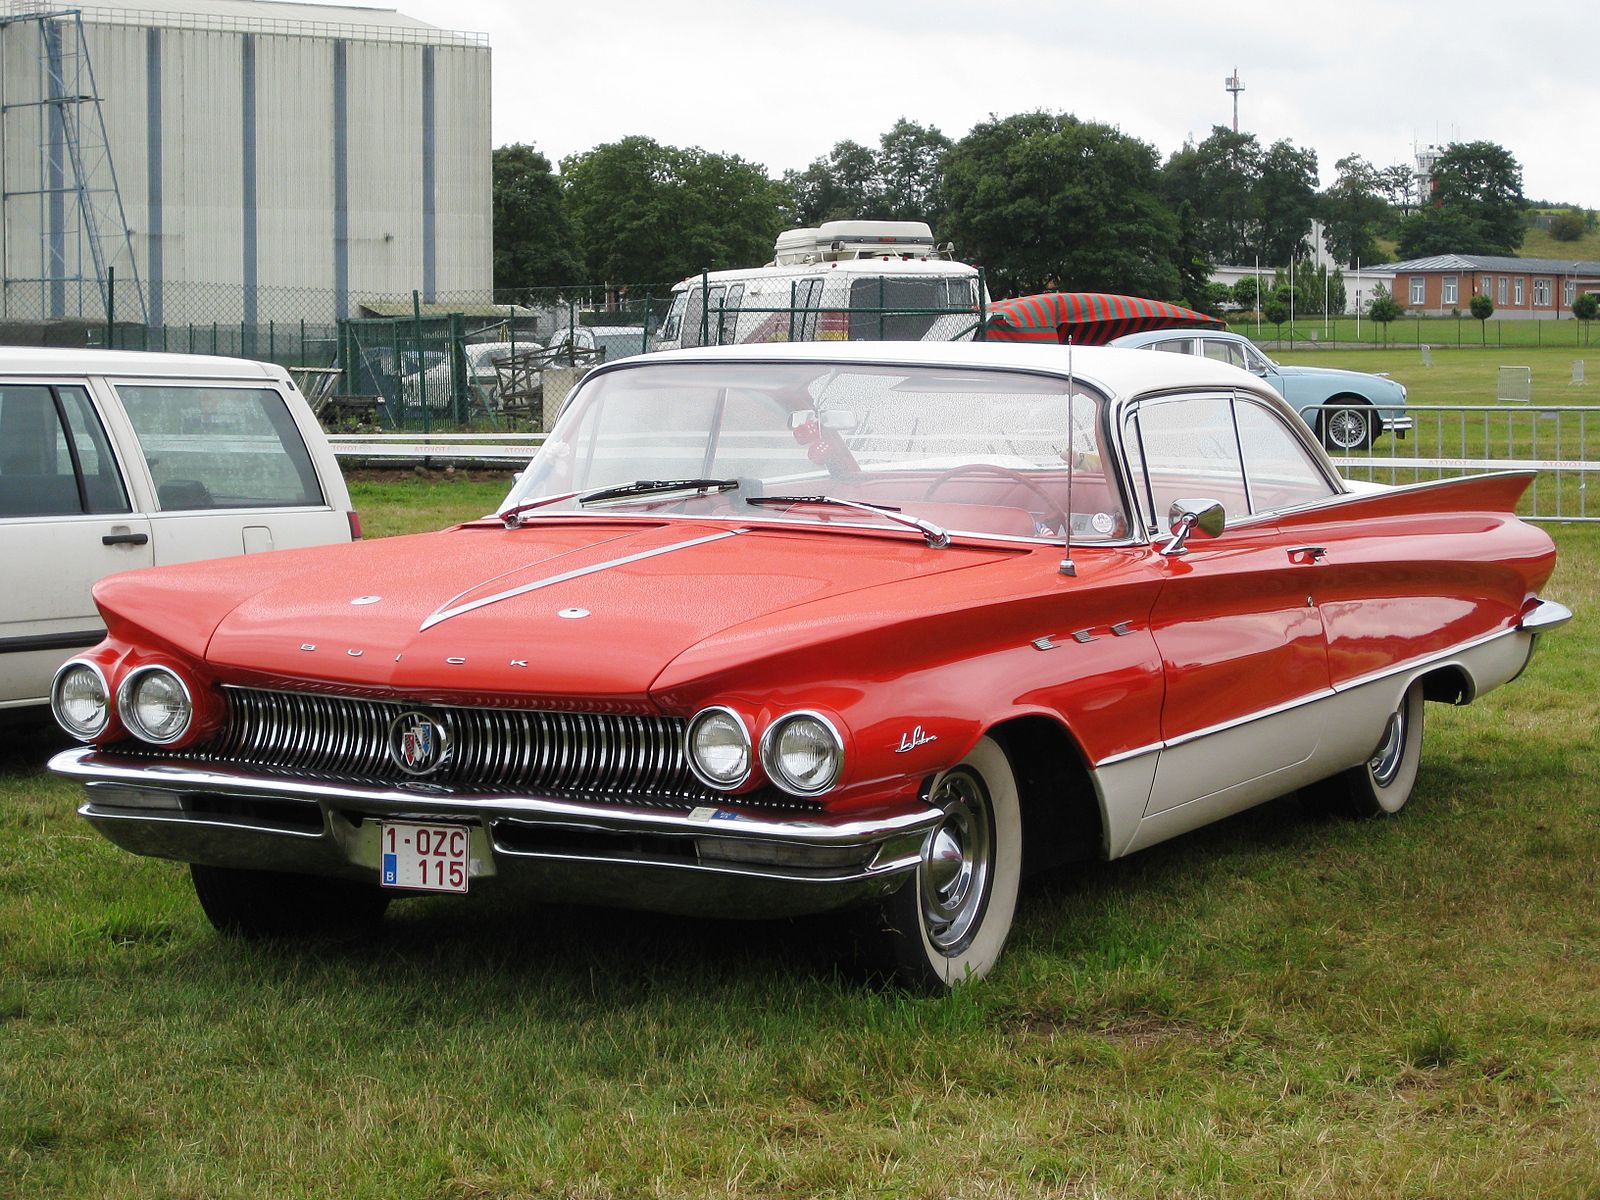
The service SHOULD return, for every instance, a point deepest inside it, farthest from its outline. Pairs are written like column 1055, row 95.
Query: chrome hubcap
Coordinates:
column 1385, row 761
column 1347, row 428
column 956, row 862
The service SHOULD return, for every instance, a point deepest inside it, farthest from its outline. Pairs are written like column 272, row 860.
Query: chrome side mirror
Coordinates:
column 1187, row 517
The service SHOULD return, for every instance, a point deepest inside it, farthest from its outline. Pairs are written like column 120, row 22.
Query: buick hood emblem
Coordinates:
column 418, row 744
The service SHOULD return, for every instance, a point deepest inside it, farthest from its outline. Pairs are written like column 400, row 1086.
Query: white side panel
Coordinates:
column 294, row 169
column 462, row 189
column 385, row 148
column 202, row 115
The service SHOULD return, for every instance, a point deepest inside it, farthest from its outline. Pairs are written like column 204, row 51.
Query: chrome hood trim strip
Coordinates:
column 451, row 609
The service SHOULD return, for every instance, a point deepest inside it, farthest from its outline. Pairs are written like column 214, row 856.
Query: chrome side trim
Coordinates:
column 1413, row 664
column 445, row 612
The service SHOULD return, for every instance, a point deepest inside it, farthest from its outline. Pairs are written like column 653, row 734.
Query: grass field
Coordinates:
column 1281, row 1006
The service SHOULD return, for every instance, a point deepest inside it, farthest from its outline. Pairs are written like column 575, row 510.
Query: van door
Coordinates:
column 65, row 522
column 229, row 469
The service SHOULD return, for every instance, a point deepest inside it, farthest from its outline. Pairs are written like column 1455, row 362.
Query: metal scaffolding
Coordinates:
column 64, row 188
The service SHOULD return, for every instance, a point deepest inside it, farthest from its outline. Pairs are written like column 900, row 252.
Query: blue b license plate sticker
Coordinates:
column 427, row 858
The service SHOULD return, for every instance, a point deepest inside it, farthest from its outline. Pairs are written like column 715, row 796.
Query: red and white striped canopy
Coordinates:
column 1086, row 318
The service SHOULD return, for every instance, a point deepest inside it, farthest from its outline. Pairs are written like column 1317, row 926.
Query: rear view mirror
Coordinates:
column 1188, row 517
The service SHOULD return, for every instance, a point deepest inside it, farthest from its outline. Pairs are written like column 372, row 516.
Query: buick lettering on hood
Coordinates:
column 771, row 630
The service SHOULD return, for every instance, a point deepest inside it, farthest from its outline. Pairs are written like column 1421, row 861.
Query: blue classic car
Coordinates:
column 1375, row 402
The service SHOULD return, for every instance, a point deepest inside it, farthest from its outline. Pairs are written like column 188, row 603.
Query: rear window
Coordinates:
column 221, row 447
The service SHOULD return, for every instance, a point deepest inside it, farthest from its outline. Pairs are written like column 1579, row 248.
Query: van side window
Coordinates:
column 221, row 447
column 701, row 311
column 728, row 324
column 54, row 456
column 807, row 302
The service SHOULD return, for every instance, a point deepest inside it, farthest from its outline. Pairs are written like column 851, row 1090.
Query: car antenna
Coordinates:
column 1068, row 567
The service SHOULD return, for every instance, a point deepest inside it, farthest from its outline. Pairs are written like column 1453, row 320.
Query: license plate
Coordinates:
column 427, row 858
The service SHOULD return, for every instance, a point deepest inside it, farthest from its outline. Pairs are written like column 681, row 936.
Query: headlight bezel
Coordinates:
column 83, row 735
column 770, row 761
column 695, row 767
column 128, row 710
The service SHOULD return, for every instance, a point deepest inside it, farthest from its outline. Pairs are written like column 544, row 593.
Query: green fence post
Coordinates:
column 705, row 306
column 214, row 342
column 794, row 301
column 303, row 343
column 272, row 339
column 422, row 374
column 458, row 366
column 111, row 307
column 983, row 315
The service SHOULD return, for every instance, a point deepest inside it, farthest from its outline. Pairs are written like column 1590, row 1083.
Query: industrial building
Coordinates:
column 235, row 160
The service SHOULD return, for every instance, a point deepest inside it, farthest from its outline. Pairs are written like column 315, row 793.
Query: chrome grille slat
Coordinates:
column 623, row 758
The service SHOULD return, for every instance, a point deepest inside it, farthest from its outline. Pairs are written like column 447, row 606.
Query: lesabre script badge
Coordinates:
column 910, row 741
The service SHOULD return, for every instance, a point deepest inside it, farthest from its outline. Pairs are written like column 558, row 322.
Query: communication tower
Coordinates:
column 1235, row 87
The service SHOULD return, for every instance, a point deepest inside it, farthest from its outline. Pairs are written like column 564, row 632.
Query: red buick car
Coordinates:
column 785, row 629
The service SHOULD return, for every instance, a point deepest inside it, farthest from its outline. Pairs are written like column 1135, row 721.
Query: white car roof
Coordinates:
column 55, row 360
column 1116, row 371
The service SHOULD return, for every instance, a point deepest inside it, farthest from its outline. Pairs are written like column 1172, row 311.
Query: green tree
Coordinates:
column 1249, row 292
column 534, row 241
column 1286, row 199
column 648, row 213
column 1045, row 200
column 910, row 173
column 1384, row 309
column 1276, row 312
column 1585, row 308
column 1337, row 296
column 1353, row 211
column 1568, row 226
column 1482, row 309
column 842, row 185
column 1217, row 178
column 1477, row 204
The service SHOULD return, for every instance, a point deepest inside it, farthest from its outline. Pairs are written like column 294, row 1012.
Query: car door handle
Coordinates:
column 1308, row 553
column 125, row 539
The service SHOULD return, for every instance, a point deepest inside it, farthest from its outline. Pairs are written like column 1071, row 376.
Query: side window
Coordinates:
column 808, row 300
column 1228, row 352
column 1282, row 472
column 1186, row 448
column 221, row 447
column 1175, row 346
column 54, row 456
column 728, row 320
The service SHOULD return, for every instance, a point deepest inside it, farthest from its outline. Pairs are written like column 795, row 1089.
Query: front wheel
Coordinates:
column 1381, row 786
column 1352, row 428
column 948, row 924
column 265, row 904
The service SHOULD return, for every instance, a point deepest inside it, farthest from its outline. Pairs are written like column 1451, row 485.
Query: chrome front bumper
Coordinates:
column 721, row 861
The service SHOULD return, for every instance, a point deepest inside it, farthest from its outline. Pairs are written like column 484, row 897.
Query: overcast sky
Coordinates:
column 779, row 82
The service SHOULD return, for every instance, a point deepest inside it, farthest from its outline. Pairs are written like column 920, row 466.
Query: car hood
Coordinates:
column 1364, row 378
column 566, row 609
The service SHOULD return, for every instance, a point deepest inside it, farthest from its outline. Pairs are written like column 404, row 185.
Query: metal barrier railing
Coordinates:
column 1560, row 442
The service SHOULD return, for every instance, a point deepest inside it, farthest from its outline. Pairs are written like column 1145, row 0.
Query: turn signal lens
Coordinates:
column 155, row 704
column 80, row 700
column 803, row 754
column 719, row 748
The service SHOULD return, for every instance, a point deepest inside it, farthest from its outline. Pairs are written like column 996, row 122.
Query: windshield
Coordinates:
column 972, row 451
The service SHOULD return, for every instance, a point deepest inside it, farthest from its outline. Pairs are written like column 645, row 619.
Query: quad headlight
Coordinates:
column 155, row 704
column 802, row 753
column 80, row 700
column 718, row 746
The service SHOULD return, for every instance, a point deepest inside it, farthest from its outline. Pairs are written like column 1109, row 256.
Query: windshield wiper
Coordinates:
column 936, row 537
column 647, row 487
column 513, row 515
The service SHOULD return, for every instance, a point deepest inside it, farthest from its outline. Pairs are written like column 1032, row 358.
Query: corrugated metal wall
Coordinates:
column 251, row 160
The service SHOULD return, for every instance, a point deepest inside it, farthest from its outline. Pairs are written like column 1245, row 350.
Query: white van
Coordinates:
column 842, row 281
column 112, row 460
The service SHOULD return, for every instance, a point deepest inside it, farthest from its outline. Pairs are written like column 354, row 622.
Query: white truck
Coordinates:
column 842, row 281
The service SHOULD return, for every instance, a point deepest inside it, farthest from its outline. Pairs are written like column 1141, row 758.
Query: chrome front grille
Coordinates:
column 637, row 759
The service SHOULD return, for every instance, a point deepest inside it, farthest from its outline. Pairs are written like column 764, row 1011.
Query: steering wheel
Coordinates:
column 1051, row 508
